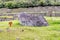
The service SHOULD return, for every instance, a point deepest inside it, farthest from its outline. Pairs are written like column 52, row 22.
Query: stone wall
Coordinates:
column 47, row 9
column 8, row 17
column 44, row 11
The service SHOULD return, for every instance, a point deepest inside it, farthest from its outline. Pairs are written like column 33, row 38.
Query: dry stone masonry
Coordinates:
column 32, row 20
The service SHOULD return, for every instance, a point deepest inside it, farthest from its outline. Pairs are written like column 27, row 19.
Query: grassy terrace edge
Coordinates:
column 51, row 32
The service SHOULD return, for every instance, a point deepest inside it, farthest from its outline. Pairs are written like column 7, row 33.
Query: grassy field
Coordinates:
column 51, row 32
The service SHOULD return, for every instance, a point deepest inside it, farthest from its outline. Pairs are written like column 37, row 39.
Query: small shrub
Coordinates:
column 10, row 4
column 27, row 3
column 1, row 5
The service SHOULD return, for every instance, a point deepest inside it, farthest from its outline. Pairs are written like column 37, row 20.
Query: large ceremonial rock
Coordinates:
column 32, row 20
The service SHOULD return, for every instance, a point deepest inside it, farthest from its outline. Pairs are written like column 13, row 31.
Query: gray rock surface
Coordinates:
column 1, row 30
column 32, row 20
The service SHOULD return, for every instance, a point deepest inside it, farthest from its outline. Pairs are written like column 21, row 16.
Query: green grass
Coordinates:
column 51, row 32
column 6, row 16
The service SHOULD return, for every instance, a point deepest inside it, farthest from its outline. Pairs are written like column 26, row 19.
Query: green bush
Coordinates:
column 10, row 4
column 1, row 5
column 21, row 4
column 27, row 3
column 57, row 3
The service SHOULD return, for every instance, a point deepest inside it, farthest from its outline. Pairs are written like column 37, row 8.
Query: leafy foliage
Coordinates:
column 1, row 5
column 28, row 3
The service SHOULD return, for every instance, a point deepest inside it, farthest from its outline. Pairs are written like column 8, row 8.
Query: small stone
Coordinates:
column 1, row 30
column 17, row 38
column 8, row 29
column 22, row 30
